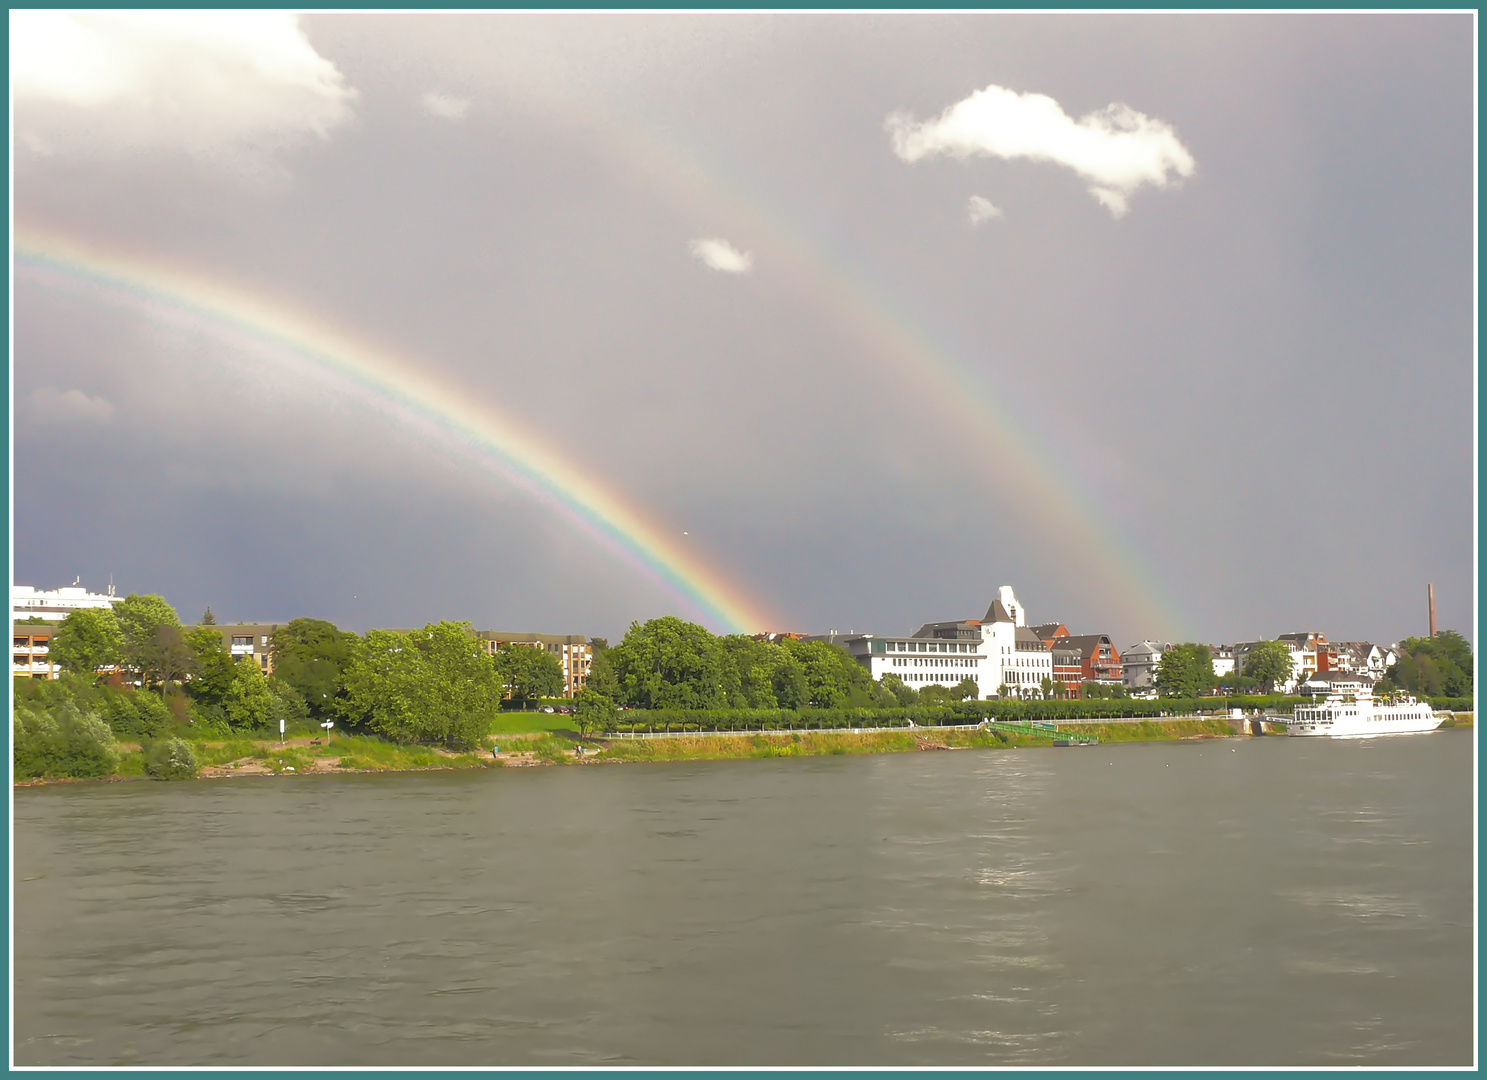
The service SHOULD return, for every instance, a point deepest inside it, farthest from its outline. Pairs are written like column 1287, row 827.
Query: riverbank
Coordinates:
column 361, row 754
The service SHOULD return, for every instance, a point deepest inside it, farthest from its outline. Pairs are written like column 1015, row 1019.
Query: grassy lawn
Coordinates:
column 532, row 723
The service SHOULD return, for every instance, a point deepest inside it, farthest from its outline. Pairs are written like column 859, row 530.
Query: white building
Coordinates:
column 1139, row 665
column 1364, row 658
column 54, row 605
column 1223, row 660
column 995, row 652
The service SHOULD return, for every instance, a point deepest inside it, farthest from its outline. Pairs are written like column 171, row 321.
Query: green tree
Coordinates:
column 430, row 685
column 967, row 690
column 207, row 618
column 65, row 741
column 288, row 705
column 594, row 712
column 139, row 617
column 1184, row 671
column 528, row 672
column 1270, row 664
column 88, row 639
column 903, row 693
column 310, row 655
column 1435, row 667
column 601, row 678
column 833, row 680
column 164, row 658
column 667, row 663
column 248, row 702
column 212, row 666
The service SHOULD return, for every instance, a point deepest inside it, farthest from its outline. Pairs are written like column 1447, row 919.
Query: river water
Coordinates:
column 1261, row 901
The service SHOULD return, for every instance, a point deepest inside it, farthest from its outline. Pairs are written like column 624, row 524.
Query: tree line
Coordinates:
column 135, row 673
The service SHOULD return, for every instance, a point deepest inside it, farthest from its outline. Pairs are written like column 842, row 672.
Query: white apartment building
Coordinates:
column 995, row 652
column 54, row 605
column 1139, row 665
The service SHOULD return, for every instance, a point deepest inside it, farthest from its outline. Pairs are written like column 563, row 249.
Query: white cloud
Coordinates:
column 445, row 106
column 721, row 255
column 199, row 82
column 1116, row 149
column 982, row 210
column 50, row 404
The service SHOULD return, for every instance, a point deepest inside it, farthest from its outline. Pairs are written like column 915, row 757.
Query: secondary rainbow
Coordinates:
column 1047, row 484
column 239, row 317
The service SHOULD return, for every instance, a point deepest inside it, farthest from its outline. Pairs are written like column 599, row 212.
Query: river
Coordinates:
column 1262, row 901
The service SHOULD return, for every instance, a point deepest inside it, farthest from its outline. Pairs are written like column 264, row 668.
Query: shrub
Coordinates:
column 63, row 742
column 134, row 715
column 170, row 759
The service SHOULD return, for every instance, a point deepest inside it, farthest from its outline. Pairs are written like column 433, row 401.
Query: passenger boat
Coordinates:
column 1350, row 711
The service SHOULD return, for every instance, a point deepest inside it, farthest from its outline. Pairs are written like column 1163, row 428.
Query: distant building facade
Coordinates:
column 1363, row 658
column 54, row 605
column 573, row 651
column 30, row 656
column 253, row 640
column 1098, row 660
column 999, row 652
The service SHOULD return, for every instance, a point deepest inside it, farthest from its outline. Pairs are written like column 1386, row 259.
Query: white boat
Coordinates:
column 1349, row 711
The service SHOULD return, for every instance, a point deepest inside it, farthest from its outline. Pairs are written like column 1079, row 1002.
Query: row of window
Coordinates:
column 959, row 661
column 930, row 646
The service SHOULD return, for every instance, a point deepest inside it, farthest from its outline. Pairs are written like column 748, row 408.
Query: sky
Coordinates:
column 773, row 322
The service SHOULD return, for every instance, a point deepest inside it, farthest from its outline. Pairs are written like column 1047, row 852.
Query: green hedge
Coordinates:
column 682, row 721
column 1452, row 704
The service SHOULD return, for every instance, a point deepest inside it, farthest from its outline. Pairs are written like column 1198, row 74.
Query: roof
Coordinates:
column 1337, row 676
column 1051, row 630
column 996, row 613
column 1088, row 643
column 1024, row 634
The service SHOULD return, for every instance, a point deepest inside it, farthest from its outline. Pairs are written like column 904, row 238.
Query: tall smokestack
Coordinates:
column 1430, row 594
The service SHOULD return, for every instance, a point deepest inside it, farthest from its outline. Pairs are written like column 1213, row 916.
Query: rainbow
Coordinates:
column 399, row 389
column 1050, row 489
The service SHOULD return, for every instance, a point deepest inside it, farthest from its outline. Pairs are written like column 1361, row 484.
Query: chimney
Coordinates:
column 1430, row 595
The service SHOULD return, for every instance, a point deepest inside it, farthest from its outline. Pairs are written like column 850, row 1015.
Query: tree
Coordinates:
column 670, row 664
column 164, row 658
column 140, row 616
column 430, row 685
column 902, row 692
column 1185, row 671
column 601, row 678
column 310, row 655
column 833, row 680
column 594, row 712
column 1435, row 667
column 1270, row 663
column 88, row 639
column 212, row 667
column 248, row 702
column 207, row 618
column 1047, row 687
column 63, row 742
column 528, row 672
